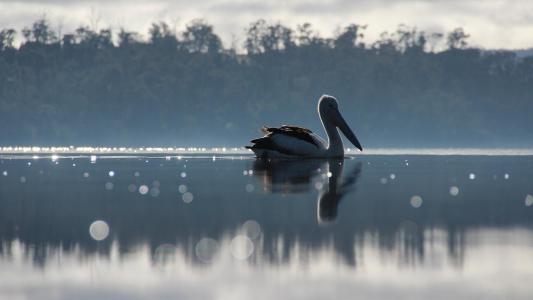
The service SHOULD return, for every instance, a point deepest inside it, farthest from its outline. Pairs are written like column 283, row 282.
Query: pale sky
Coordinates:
column 491, row 23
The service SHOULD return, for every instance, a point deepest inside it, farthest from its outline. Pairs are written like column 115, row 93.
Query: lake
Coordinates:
column 213, row 226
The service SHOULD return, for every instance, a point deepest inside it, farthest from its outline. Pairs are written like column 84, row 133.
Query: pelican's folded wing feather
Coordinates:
column 300, row 133
column 289, row 140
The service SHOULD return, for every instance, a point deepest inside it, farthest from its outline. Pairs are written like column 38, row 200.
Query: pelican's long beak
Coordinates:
column 341, row 124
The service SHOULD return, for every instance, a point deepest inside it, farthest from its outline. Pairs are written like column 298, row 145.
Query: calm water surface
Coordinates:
column 202, row 227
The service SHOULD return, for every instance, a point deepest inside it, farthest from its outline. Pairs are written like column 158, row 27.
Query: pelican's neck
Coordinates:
column 334, row 148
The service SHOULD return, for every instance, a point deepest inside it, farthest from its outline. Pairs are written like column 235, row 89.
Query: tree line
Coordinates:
column 409, row 88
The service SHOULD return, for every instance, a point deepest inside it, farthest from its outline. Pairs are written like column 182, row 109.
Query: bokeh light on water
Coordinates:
column 109, row 186
column 187, row 197
column 249, row 187
column 529, row 200
column 454, row 191
column 416, row 201
column 99, row 230
column 251, row 229
column 241, row 247
column 143, row 189
column 206, row 250
column 164, row 253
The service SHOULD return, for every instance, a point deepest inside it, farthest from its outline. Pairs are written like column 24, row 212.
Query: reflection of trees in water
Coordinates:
column 46, row 217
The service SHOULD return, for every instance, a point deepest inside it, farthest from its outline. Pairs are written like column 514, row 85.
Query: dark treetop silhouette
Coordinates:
column 105, row 88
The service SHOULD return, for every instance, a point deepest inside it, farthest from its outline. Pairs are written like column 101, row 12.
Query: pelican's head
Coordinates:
column 328, row 107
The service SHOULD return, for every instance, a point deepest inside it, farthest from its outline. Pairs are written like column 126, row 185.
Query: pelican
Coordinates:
column 296, row 142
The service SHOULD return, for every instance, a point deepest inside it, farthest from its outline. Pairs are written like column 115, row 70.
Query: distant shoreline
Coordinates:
column 14, row 152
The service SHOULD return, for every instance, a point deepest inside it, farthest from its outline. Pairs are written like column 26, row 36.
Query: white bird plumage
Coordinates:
column 296, row 142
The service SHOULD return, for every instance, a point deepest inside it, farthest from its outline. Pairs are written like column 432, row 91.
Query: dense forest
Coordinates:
column 407, row 89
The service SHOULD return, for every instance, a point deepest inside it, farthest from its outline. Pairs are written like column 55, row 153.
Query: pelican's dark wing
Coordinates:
column 290, row 140
column 300, row 133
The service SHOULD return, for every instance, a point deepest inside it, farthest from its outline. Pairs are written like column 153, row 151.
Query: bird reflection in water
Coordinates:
column 298, row 176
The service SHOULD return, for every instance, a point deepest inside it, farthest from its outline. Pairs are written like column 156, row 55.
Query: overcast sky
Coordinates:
column 491, row 23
